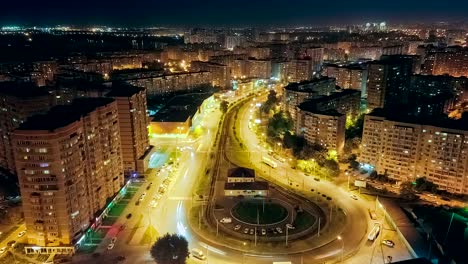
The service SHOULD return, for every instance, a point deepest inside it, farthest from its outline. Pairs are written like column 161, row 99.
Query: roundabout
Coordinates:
column 259, row 212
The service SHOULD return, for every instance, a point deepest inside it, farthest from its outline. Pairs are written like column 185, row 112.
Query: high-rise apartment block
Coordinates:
column 221, row 73
column 133, row 122
column 322, row 120
column 388, row 81
column 452, row 61
column 17, row 103
column 69, row 162
column 296, row 93
column 406, row 148
column 348, row 76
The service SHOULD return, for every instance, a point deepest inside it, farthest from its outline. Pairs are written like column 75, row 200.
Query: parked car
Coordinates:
column 263, row 231
column 246, row 230
column 113, row 240
column 110, row 246
column 388, row 243
column 2, row 250
column 289, row 226
column 226, row 220
column 279, row 230
column 22, row 233
column 251, row 232
column 237, row 227
column 354, row 197
column 317, row 179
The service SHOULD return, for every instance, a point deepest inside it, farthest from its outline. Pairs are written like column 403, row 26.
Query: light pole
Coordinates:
column 342, row 247
column 347, row 174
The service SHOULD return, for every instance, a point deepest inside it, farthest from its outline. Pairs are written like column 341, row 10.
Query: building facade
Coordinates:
column 69, row 163
column 406, row 149
column 133, row 122
column 17, row 103
column 296, row 93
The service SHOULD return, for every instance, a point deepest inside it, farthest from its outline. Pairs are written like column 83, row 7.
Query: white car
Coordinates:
column 226, row 220
column 110, row 246
column 113, row 240
column 2, row 250
column 22, row 233
column 388, row 243
column 354, row 197
column 289, row 226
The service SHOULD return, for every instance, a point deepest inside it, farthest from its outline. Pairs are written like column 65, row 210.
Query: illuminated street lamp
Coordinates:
column 342, row 247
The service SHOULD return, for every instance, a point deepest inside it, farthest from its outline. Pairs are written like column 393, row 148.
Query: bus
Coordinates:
column 374, row 233
column 269, row 162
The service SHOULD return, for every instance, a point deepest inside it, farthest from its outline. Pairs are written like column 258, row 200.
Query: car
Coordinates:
column 354, row 197
column 122, row 227
column 226, row 220
column 306, row 174
column 263, row 231
column 129, row 216
column 251, row 231
column 388, row 243
column 279, row 230
column 237, row 227
column 110, row 246
column 197, row 253
column 317, row 179
column 289, row 226
column 113, row 240
column 11, row 243
column 2, row 250
column 246, row 230
column 22, row 233
column 379, row 187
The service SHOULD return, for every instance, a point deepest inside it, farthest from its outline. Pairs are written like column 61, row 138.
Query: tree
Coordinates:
column 223, row 106
column 271, row 101
column 170, row 249
column 422, row 184
column 279, row 124
column 332, row 167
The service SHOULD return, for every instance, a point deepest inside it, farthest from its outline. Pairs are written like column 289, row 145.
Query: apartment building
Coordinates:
column 406, row 148
column 17, row 103
column 173, row 82
column 296, row 93
column 133, row 122
column 69, row 162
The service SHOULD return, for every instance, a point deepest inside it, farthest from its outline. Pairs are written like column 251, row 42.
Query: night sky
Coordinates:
column 234, row 12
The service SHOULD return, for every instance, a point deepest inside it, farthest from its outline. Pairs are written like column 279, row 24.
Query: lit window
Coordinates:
column 42, row 150
column 46, row 171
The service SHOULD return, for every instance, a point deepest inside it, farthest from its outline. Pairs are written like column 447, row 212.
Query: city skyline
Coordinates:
column 240, row 13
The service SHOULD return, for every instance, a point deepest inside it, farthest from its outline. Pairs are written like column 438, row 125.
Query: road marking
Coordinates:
column 179, row 198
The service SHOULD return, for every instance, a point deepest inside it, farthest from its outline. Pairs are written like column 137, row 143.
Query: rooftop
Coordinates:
column 180, row 108
column 261, row 186
column 297, row 86
column 241, row 172
column 405, row 226
column 310, row 105
column 442, row 121
column 62, row 115
column 123, row 90
column 22, row 90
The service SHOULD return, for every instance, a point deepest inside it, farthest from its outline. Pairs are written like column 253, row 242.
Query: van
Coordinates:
column 197, row 253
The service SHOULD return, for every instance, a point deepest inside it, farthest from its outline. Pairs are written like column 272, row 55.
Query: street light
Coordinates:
column 342, row 247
